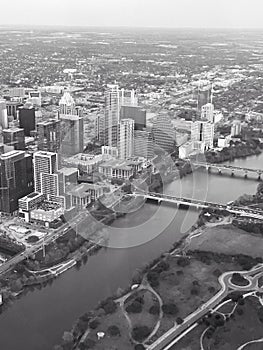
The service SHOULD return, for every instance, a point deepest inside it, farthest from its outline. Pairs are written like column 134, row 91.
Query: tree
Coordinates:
column 134, row 308
column 153, row 278
column 179, row 320
column 89, row 343
column 109, row 306
column 114, row 331
column 139, row 347
column 94, row 323
column 170, row 309
column 183, row 262
column 140, row 333
column 154, row 310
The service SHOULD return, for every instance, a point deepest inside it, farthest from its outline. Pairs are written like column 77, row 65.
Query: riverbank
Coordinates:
column 150, row 302
column 53, row 309
column 190, row 257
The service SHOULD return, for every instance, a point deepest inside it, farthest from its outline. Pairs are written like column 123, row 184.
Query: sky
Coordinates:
column 135, row 13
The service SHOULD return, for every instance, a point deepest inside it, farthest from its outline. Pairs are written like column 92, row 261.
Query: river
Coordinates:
column 38, row 320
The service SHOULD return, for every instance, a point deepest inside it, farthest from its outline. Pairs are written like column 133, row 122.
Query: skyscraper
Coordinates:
column 72, row 134
column 67, row 104
column 3, row 114
column 12, row 107
column 204, row 95
column 48, row 135
column 207, row 112
column 16, row 179
column 50, row 181
column 143, row 144
column 45, row 163
column 72, row 126
column 136, row 113
column 203, row 132
column 114, row 99
column 14, row 137
column 34, row 97
column 236, row 128
column 164, row 133
column 100, row 128
column 27, row 118
column 126, row 138
column 112, row 115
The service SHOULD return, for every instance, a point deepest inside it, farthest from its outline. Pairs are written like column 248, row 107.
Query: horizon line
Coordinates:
column 128, row 27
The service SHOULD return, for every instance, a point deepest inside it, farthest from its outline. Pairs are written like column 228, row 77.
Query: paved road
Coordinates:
column 50, row 237
column 167, row 340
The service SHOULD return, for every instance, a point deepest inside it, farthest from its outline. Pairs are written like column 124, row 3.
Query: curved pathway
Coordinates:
column 250, row 342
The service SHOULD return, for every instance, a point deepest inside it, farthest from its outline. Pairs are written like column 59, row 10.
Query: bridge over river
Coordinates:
column 230, row 168
column 199, row 204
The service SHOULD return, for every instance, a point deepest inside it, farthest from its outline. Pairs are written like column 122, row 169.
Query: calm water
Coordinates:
column 38, row 320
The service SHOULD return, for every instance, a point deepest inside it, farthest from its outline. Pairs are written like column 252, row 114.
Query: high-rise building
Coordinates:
column 14, row 137
column 16, row 179
column 45, row 163
column 67, row 105
column 34, row 97
column 203, row 132
column 236, row 128
column 12, row 108
column 204, row 95
column 72, row 134
column 143, row 144
column 27, row 118
column 136, row 113
column 17, row 92
column 207, row 112
column 3, row 114
column 50, row 181
column 100, row 128
column 112, row 115
column 72, row 126
column 128, row 97
column 164, row 133
column 48, row 135
column 126, row 138
column 114, row 99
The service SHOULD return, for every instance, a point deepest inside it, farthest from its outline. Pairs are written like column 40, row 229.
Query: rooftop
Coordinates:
column 68, row 171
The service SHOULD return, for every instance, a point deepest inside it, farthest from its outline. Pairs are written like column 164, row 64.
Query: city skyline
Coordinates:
column 154, row 13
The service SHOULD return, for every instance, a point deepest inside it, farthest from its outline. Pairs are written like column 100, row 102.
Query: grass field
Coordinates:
column 228, row 240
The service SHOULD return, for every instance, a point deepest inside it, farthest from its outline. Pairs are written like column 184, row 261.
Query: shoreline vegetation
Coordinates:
column 154, row 276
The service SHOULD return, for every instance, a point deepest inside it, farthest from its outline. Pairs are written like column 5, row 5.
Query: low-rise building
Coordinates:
column 28, row 203
column 86, row 163
column 47, row 212
column 116, row 169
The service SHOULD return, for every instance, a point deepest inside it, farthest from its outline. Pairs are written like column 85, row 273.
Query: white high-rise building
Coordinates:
column 126, row 138
column 128, row 98
column 3, row 114
column 34, row 97
column 207, row 112
column 67, row 105
column 114, row 99
column 236, row 128
column 48, row 180
column 45, row 164
column 203, row 132
column 72, row 126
